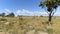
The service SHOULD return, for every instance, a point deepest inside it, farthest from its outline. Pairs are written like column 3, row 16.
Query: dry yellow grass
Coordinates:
column 23, row 25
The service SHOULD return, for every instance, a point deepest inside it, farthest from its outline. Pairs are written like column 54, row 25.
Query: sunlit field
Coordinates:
column 28, row 25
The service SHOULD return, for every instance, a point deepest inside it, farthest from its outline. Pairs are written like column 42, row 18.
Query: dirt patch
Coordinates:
column 2, row 32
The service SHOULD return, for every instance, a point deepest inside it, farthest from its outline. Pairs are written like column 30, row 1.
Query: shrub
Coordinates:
column 11, row 15
column 2, row 19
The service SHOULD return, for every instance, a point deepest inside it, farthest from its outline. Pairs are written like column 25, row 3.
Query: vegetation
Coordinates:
column 9, row 24
column 27, row 24
column 50, row 5
column 11, row 15
column 3, row 14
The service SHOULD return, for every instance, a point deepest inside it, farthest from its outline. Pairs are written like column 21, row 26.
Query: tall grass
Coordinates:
column 22, row 25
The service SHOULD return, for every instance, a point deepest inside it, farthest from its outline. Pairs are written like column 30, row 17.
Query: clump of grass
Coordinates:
column 2, row 19
column 50, row 31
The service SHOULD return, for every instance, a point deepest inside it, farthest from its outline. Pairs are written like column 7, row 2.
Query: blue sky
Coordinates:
column 22, row 7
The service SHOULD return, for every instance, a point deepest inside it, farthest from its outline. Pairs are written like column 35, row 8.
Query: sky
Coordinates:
column 24, row 7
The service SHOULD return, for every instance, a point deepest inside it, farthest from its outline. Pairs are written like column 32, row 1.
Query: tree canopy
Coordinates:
column 11, row 15
column 2, row 14
column 50, row 6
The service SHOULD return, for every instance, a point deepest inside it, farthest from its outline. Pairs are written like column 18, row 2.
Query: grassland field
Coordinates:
column 21, row 25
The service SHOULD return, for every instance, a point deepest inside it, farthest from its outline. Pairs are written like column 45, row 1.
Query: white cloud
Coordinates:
column 30, row 13
column 24, row 12
column 57, row 13
column 7, row 10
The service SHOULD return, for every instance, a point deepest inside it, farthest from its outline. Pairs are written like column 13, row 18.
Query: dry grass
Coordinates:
column 23, row 25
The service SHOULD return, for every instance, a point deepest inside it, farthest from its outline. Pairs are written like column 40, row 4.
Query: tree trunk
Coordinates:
column 50, row 17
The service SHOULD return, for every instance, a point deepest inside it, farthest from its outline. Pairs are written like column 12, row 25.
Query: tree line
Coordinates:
column 9, row 15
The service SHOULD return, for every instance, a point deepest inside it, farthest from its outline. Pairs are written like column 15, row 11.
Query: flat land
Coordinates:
column 28, row 25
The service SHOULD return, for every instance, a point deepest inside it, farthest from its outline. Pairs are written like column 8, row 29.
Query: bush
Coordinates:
column 2, row 14
column 3, row 19
column 11, row 15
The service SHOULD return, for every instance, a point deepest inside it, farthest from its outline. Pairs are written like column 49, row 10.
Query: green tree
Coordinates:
column 11, row 15
column 50, row 5
column 2, row 14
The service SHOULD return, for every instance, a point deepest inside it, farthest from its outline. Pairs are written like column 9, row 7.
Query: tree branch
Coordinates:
column 46, row 11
